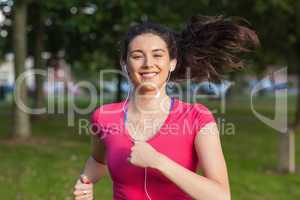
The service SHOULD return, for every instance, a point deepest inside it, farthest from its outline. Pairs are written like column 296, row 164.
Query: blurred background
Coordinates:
column 41, row 155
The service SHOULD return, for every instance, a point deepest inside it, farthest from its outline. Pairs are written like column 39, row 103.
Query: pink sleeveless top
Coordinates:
column 174, row 139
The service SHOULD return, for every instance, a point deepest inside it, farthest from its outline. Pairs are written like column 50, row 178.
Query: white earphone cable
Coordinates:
column 145, row 185
column 128, row 94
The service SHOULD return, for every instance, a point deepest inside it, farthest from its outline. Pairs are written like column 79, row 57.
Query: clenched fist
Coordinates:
column 83, row 190
column 144, row 155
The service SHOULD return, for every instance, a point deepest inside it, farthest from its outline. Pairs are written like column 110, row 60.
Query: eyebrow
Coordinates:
column 154, row 50
column 140, row 51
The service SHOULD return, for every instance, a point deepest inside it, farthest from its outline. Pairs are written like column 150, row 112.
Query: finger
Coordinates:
column 137, row 141
column 87, row 196
column 82, row 192
column 83, row 189
column 84, row 197
column 83, row 186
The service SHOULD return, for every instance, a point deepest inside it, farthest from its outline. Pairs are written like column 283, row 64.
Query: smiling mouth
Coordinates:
column 148, row 74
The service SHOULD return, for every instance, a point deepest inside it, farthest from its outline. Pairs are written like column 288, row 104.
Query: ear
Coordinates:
column 122, row 63
column 173, row 64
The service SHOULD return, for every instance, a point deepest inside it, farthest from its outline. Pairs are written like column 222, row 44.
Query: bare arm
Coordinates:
column 95, row 166
column 214, row 185
column 94, row 169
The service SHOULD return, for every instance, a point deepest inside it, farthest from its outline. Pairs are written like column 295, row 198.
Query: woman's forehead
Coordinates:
column 147, row 41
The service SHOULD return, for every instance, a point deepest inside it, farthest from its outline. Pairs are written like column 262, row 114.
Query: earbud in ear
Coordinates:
column 125, row 68
column 172, row 68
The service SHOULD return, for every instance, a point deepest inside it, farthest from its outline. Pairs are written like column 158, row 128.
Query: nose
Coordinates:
column 148, row 62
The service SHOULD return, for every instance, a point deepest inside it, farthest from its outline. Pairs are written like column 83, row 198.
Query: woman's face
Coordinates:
column 148, row 62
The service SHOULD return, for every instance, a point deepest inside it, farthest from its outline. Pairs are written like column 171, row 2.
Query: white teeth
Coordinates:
column 148, row 74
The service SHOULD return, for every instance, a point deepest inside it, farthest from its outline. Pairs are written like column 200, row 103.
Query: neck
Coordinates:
column 150, row 102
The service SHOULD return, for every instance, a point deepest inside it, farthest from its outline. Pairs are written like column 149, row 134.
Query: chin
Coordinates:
column 148, row 87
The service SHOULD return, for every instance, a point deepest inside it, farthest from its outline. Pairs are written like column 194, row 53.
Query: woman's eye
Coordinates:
column 158, row 56
column 136, row 57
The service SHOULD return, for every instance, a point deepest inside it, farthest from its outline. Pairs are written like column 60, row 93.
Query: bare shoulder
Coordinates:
column 210, row 154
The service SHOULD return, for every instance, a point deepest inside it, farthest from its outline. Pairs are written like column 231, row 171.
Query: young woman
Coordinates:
column 152, row 143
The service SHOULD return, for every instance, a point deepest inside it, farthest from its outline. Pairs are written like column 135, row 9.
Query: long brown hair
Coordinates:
column 205, row 49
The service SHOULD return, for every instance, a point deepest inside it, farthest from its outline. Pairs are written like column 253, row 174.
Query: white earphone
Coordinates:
column 157, row 95
column 125, row 69
column 172, row 68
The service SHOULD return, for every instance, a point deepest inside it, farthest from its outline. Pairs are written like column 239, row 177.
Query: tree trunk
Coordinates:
column 21, row 128
column 287, row 152
column 117, row 14
column 287, row 136
column 119, row 90
column 38, row 49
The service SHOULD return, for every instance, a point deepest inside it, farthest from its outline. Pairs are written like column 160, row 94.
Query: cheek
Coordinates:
column 163, row 75
column 133, row 65
column 132, row 68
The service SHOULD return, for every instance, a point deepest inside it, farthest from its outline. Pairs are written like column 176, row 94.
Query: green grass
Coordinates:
column 46, row 166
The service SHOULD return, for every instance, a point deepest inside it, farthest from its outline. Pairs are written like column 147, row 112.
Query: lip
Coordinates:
column 148, row 74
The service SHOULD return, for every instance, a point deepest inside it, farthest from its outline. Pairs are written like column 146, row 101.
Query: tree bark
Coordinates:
column 22, row 127
column 119, row 90
column 117, row 14
column 287, row 152
column 38, row 49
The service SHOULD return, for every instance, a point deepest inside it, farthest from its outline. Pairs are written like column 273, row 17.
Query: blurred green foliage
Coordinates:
column 89, row 31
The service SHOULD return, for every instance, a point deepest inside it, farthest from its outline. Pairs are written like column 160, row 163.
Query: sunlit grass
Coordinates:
column 46, row 166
